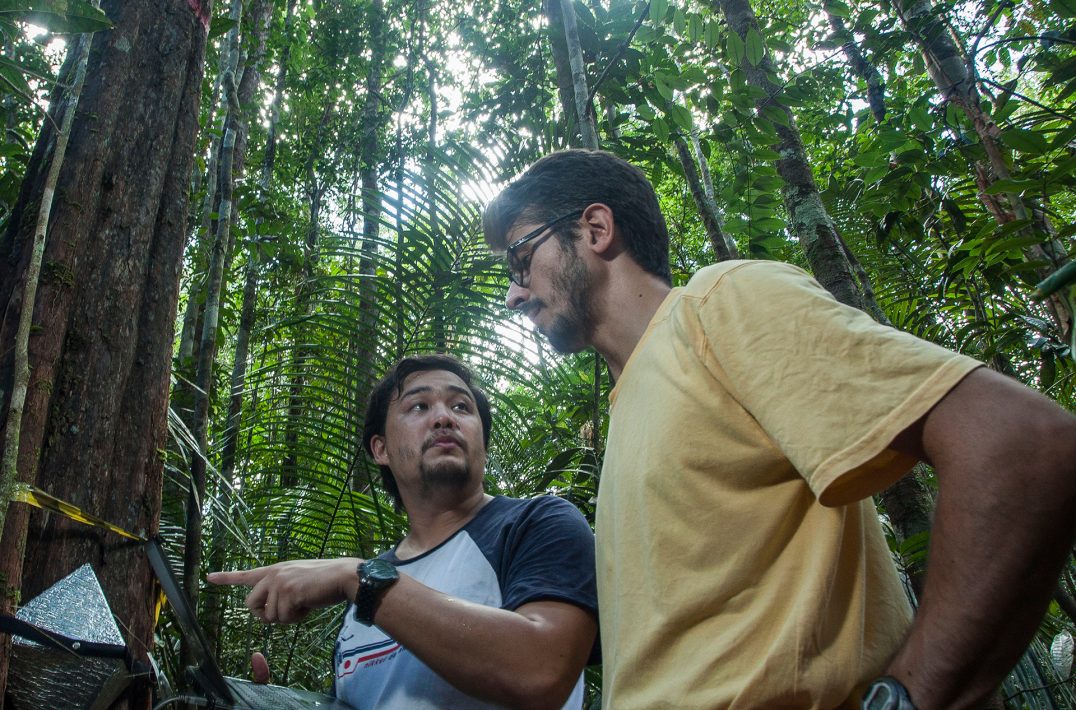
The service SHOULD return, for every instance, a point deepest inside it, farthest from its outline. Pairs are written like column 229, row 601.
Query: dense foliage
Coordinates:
column 349, row 145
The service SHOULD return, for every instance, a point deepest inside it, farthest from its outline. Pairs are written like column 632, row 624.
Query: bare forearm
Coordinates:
column 985, row 595
column 1004, row 525
column 497, row 655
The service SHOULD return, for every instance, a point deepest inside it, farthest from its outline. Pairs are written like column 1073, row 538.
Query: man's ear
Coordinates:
column 599, row 231
column 377, row 447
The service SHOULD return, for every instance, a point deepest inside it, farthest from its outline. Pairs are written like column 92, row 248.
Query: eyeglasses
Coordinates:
column 519, row 266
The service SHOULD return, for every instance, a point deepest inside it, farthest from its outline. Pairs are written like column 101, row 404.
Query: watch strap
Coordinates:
column 375, row 576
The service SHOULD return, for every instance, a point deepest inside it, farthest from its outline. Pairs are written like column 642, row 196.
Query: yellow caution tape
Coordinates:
column 26, row 493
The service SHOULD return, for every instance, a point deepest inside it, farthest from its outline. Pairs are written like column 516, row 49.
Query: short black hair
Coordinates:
column 570, row 180
column 391, row 386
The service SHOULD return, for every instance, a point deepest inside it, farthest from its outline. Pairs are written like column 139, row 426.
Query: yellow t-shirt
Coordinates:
column 722, row 580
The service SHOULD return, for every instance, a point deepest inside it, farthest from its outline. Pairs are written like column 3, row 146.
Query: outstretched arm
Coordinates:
column 529, row 657
column 1005, row 458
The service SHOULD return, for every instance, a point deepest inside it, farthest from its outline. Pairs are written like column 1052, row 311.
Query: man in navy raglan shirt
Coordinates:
column 487, row 601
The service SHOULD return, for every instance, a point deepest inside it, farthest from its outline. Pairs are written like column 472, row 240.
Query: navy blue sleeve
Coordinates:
column 548, row 556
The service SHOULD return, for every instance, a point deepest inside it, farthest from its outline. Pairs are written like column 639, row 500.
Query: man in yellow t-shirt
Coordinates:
column 740, row 559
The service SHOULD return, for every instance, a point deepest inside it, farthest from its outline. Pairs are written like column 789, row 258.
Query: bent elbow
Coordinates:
column 541, row 691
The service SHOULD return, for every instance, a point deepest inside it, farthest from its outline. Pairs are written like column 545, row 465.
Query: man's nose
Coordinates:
column 516, row 296
column 443, row 417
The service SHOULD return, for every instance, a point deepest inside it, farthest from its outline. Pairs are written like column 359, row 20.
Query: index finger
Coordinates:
column 246, row 577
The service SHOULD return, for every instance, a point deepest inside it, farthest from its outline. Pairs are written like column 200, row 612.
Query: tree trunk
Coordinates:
column 207, row 351
column 588, row 131
column 724, row 248
column 861, row 68
column 563, row 71
column 811, row 222
column 251, row 80
column 95, row 416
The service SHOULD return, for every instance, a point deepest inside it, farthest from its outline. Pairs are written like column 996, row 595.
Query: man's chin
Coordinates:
column 565, row 340
column 446, row 475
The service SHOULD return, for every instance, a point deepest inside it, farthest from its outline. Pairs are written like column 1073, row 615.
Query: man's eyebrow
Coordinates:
column 421, row 389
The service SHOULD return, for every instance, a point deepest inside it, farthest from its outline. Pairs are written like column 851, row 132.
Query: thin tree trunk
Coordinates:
column 861, row 68
column 563, row 71
column 811, row 222
column 261, row 15
column 207, row 350
column 17, row 403
column 100, row 349
column 724, row 248
column 588, row 131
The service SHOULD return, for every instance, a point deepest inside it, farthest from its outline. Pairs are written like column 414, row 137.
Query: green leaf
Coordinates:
column 58, row 16
column 777, row 115
column 658, row 8
column 681, row 117
column 1064, row 8
column 755, row 47
column 11, row 74
column 695, row 28
column 679, row 21
column 1025, row 141
column 839, row 9
column 920, row 118
column 735, row 47
column 661, row 130
column 713, row 35
column 1013, row 244
column 871, row 159
column 663, row 89
column 221, row 26
column 1016, row 186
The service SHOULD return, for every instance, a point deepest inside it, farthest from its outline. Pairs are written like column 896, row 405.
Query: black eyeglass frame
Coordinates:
column 519, row 267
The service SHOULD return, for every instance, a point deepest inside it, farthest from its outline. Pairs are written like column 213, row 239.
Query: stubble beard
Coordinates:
column 571, row 330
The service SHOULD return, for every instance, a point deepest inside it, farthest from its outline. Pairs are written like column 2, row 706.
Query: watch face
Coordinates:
column 887, row 694
column 379, row 572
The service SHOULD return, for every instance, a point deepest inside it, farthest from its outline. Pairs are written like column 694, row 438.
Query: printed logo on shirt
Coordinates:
column 366, row 656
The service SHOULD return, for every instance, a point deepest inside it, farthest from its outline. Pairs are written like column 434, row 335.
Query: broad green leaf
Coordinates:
column 1025, row 141
column 658, row 8
column 221, row 26
column 663, row 89
column 11, row 73
column 681, row 117
column 755, row 47
column 661, row 129
column 695, row 28
column 736, row 47
column 871, row 159
column 921, row 119
column 679, row 21
column 839, row 9
column 713, row 34
column 776, row 114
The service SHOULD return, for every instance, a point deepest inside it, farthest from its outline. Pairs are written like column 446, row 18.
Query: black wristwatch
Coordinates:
column 375, row 576
column 887, row 693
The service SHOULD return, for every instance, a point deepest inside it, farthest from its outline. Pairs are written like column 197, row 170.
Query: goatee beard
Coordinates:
column 449, row 474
